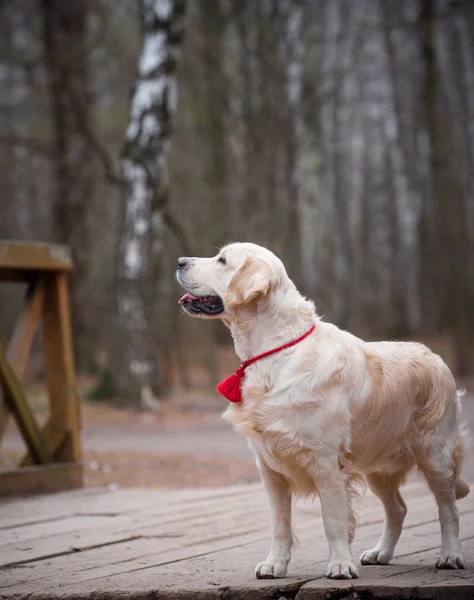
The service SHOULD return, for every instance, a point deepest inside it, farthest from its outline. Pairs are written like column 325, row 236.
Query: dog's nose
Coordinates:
column 182, row 262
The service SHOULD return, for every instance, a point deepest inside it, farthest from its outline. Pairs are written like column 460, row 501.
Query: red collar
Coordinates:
column 231, row 387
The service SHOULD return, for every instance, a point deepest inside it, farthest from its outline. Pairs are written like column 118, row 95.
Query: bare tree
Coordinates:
column 144, row 166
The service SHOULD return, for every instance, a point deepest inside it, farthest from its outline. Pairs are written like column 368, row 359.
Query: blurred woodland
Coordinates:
column 339, row 133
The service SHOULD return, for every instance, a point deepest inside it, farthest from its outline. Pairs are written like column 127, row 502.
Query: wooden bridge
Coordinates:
column 204, row 544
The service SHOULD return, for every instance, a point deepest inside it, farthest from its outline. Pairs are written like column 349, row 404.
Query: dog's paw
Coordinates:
column 271, row 570
column 343, row 569
column 450, row 561
column 376, row 556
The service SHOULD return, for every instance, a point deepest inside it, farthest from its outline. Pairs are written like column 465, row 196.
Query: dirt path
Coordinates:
column 206, row 435
column 171, row 450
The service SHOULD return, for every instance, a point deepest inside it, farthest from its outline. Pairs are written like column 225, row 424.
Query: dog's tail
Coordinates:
column 461, row 487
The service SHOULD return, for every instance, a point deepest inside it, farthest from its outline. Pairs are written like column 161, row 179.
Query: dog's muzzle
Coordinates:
column 207, row 305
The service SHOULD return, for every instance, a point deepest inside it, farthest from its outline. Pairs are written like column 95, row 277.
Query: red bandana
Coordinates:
column 231, row 387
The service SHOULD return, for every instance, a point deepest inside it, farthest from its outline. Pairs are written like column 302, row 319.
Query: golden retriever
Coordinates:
column 330, row 409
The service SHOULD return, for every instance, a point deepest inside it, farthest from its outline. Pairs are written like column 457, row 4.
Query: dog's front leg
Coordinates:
column 279, row 503
column 335, row 508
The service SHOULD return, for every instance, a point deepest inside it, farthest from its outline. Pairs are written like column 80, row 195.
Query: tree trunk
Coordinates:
column 448, row 251
column 145, row 195
column 66, row 59
column 405, row 291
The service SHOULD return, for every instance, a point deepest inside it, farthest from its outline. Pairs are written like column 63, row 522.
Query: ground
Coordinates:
column 203, row 544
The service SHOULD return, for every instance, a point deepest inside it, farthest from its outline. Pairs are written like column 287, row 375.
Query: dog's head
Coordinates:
column 238, row 276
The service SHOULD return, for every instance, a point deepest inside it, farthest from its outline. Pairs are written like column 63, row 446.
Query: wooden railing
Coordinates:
column 53, row 459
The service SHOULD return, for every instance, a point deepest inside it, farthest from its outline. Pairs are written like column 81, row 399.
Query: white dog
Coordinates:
column 330, row 408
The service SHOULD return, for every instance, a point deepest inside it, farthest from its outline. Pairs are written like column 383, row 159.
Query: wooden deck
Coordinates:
column 170, row 544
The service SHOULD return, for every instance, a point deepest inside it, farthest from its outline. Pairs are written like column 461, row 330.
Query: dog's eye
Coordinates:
column 222, row 260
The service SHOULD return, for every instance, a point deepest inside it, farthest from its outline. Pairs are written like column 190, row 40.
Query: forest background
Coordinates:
column 339, row 133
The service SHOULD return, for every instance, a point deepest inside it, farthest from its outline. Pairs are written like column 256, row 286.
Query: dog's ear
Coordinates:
column 253, row 280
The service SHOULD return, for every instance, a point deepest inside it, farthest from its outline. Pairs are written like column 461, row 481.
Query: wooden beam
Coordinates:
column 20, row 343
column 34, row 257
column 43, row 479
column 14, row 276
column 59, row 363
column 19, row 346
column 17, row 403
column 54, row 437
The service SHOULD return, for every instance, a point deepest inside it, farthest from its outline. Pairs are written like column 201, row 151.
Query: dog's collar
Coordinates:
column 231, row 387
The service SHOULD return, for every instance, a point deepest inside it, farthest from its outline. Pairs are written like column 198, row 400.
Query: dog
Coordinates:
column 330, row 409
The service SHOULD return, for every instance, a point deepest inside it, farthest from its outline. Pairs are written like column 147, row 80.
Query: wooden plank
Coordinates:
column 152, row 502
column 134, row 508
column 202, row 514
column 59, row 363
column 67, row 525
column 205, row 539
column 173, row 552
column 233, row 568
column 34, row 257
column 22, row 512
column 20, row 343
column 53, row 436
column 109, row 524
column 15, row 276
column 17, row 404
column 181, row 516
column 125, row 528
column 154, row 541
column 127, row 502
column 201, row 534
column 229, row 563
column 409, row 576
column 19, row 581
column 40, row 479
column 230, row 571
column 203, row 522
column 211, row 530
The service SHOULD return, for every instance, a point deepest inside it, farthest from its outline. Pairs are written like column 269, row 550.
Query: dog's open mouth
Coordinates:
column 207, row 305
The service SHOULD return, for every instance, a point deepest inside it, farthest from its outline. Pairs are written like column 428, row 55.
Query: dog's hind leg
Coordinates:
column 335, row 504
column 386, row 487
column 438, row 470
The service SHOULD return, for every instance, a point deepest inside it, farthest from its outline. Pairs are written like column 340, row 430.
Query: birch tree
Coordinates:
column 145, row 194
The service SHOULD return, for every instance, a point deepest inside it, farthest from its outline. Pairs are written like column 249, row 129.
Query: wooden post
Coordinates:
column 17, row 403
column 23, row 335
column 59, row 362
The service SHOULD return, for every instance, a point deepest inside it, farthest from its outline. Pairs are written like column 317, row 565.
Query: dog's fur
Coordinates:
column 333, row 408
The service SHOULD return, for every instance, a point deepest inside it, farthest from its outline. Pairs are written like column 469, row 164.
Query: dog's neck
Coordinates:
column 270, row 322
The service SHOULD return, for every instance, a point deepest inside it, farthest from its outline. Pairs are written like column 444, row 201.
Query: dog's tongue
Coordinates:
column 187, row 296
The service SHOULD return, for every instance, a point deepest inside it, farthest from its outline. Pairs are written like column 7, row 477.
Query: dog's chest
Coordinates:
column 269, row 427
column 283, row 445
column 249, row 419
